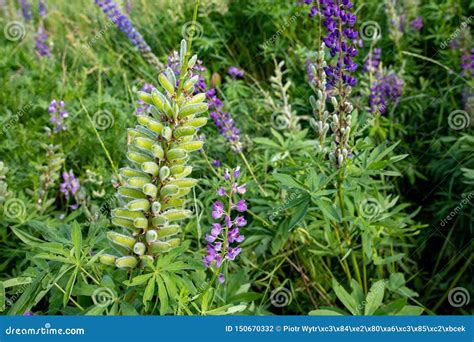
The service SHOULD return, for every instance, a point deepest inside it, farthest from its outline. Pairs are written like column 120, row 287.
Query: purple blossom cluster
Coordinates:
column 339, row 22
column 235, row 72
column 144, row 108
column 224, row 237
column 111, row 9
column 41, row 9
column 417, row 23
column 224, row 122
column 372, row 61
column 69, row 186
column 26, row 10
column 386, row 88
column 41, row 45
column 58, row 113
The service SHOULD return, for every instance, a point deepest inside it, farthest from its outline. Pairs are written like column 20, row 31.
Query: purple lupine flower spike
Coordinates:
column 41, row 46
column 41, row 9
column 417, row 23
column 69, row 186
column 223, row 240
column 386, row 89
column 372, row 61
column 111, row 9
column 58, row 114
column 235, row 72
column 26, row 10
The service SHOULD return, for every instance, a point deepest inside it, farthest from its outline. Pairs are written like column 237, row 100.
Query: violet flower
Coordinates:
column 224, row 237
column 372, row 61
column 70, row 186
column 235, row 72
column 41, row 46
column 387, row 88
column 144, row 108
column 111, row 9
column 58, row 114
column 417, row 23
column 26, row 10
column 41, row 9
column 467, row 63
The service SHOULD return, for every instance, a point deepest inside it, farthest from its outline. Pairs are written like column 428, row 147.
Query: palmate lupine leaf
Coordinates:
column 155, row 186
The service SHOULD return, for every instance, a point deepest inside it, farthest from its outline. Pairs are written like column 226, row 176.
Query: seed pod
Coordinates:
column 167, row 133
column 167, row 231
column 164, row 173
column 126, row 262
column 184, row 182
column 193, row 109
column 174, row 242
column 184, row 131
column 139, row 205
column 128, row 214
column 139, row 248
column 144, row 143
column 155, row 126
column 145, row 97
column 123, row 222
column 143, row 119
column 198, row 98
column 129, row 192
column 156, row 207
column 182, row 192
column 192, row 61
column 137, row 182
column 190, row 83
column 175, row 154
column 151, row 168
column 166, row 83
column 176, row 214
column 150, row 190
column 159, row 220
column 138, row 157
column 159, row 247
column 158, row 99
column 121, row 240
column 197, row 122
column 186, row 171
column 127, row 172
column 140, row 223
column 169, row 190
column 158, row 151
column 173, row 203
column 192, row 146
column 171, row 77
column 108, row 259
column 151, row 236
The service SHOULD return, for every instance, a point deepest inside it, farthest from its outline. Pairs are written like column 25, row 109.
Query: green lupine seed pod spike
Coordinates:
column 154, row 188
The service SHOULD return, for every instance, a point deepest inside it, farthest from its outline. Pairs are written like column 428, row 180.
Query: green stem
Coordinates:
column 251, row 172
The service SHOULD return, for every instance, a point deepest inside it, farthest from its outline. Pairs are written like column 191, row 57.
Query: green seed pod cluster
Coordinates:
column 155, row 186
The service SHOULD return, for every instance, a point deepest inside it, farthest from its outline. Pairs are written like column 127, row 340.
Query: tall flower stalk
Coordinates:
column 111, row 9
column 224, row 237
column 154, row 187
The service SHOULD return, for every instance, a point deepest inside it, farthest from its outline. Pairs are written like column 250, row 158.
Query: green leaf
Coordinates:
column 410, row 310
column 391, row 308
column 163, row 295
column 288, row 181
column 138, row 280
column 76, row 236
column 345, row 298
column 298, row 214
column 374, row 297
column 69, row 287
column 325, row 312
column 2, row 297
column 149, row 291
column 328, row 210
